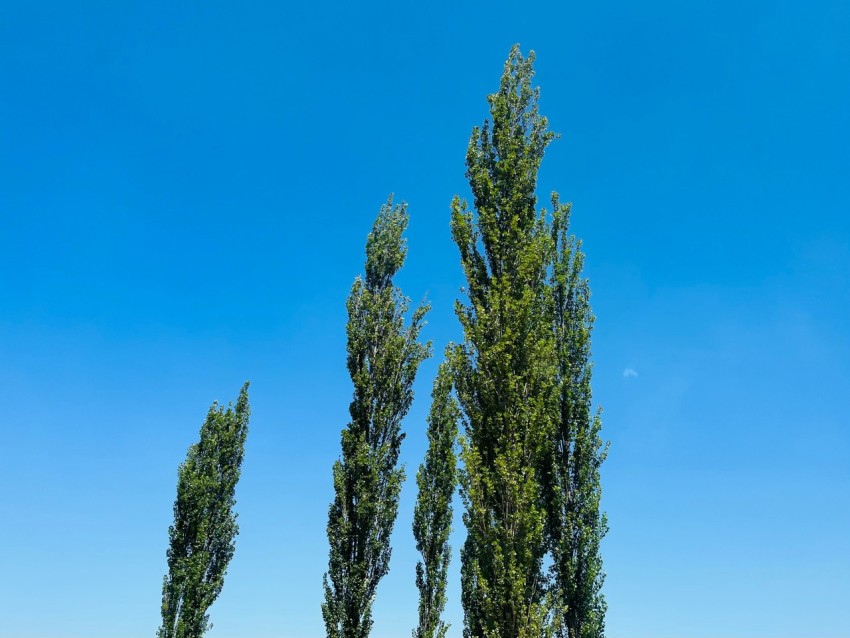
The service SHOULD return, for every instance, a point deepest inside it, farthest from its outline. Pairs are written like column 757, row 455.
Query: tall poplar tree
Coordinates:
column 576, row 525
column 383, row 358
column 432, row 516
column 504, row 369
column 202, row 538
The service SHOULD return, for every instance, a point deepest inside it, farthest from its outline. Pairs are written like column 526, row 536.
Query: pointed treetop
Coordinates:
column 386, row 247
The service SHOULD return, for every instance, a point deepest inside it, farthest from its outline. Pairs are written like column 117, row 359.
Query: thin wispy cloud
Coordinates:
column 630, row 373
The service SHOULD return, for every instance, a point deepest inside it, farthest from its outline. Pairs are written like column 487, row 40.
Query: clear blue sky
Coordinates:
column 185, row 191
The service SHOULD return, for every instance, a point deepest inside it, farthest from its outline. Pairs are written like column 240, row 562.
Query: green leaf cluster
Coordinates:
column 202, row 538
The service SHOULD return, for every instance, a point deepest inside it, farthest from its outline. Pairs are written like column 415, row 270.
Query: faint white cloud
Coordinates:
column 630, row 373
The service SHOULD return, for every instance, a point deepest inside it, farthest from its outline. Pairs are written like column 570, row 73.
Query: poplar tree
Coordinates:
column 383, row 358
column 432, row 516
column 504, row 369
column 576, row 525
column 202, row 538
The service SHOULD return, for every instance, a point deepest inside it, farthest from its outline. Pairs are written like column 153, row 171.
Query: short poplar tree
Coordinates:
column 432, row 516
column 202, row 538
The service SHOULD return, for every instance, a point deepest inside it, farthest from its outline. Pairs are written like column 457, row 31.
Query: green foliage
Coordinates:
column 576, row 525
column 504, row 369
column 383, row 358
column 532, row 447
column 432, row 517
column 201, row 540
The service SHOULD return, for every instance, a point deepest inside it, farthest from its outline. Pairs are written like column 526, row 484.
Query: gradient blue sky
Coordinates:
column 185, row 191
